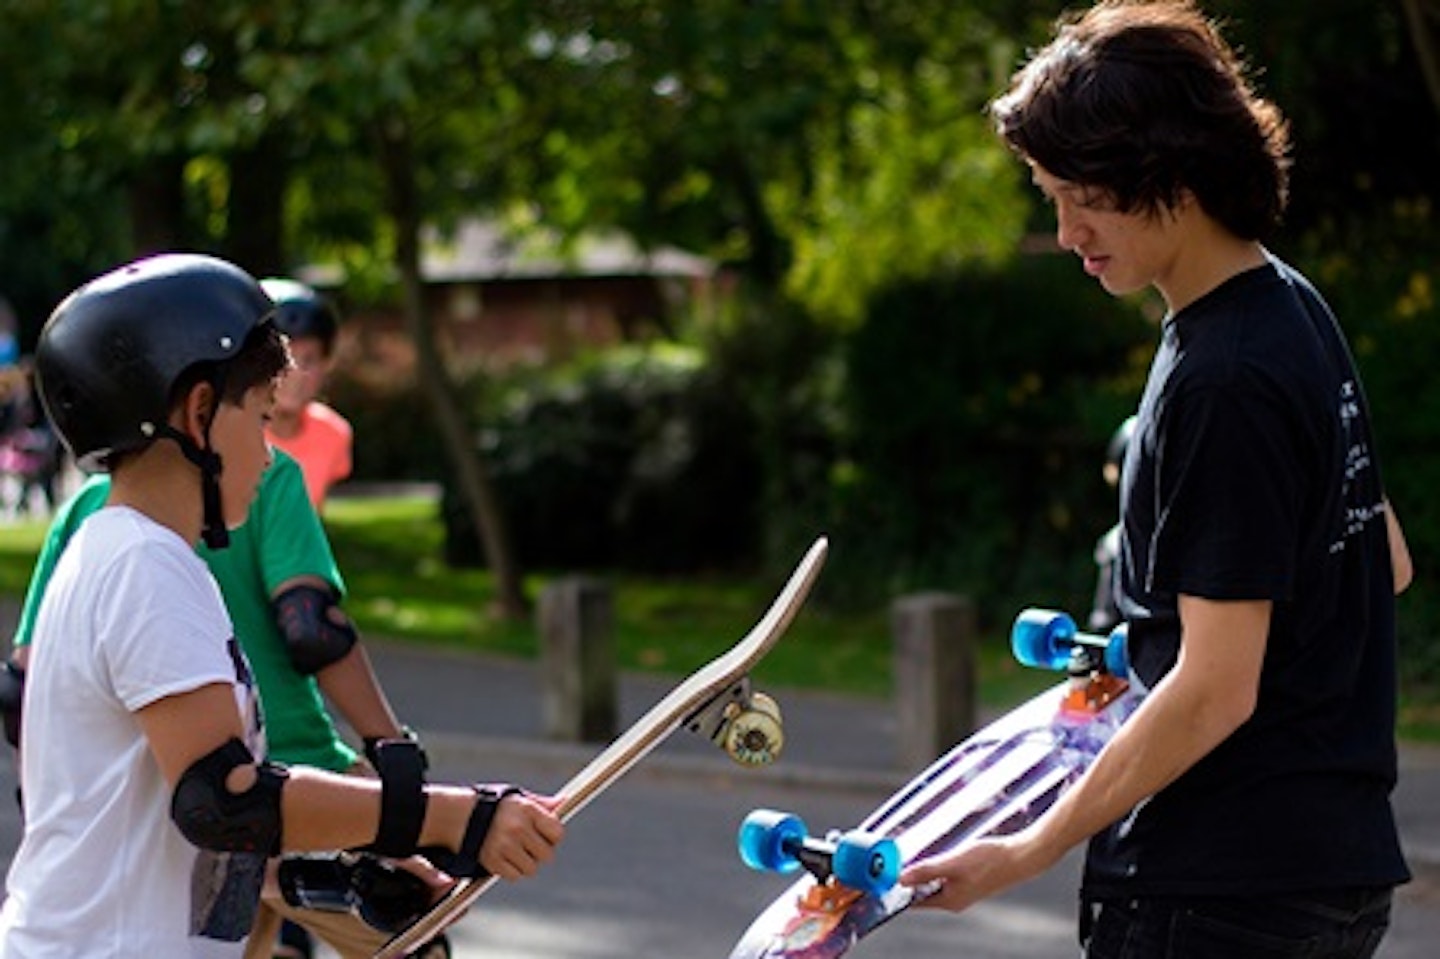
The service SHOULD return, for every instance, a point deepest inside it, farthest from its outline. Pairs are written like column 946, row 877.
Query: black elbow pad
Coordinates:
column 212, row 817
column 314, row 637
column 12, row 698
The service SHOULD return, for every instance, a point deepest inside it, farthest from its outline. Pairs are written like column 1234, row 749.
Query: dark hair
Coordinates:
column 262, row 357
column 1144, row 101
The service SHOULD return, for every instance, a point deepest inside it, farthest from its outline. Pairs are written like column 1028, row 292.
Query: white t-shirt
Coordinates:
column 131, row 616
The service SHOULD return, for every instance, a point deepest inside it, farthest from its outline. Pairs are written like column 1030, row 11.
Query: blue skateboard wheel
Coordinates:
column 866, row 861
column 764, row 836
column 1117, row 654
column 1040, row 638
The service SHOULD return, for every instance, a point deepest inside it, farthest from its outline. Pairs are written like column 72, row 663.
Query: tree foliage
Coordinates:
column 834, row 155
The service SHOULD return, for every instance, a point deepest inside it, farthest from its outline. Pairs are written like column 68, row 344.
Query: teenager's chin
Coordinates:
column 1118, row 287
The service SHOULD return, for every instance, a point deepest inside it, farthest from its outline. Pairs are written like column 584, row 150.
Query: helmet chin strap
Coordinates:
column 213, row 531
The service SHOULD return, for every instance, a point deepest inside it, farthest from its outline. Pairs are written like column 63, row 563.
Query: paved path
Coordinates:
column 650, row 869
column 481, row 717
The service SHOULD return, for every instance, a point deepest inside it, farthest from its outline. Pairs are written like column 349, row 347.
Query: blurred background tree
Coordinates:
column 899, row 360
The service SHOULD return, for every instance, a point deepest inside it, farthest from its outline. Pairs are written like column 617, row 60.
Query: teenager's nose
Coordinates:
column 1069, row 226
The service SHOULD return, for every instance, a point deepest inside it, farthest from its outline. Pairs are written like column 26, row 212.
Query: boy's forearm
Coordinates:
column 351, row 685
column 1208, row 694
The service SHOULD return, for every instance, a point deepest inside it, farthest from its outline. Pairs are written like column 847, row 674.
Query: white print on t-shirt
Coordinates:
column 1357, row 461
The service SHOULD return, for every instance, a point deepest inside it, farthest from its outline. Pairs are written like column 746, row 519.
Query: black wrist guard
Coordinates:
column 487, row 801
column 374, row 745
column 316, row 882
column 387, row 897
column 401, row 766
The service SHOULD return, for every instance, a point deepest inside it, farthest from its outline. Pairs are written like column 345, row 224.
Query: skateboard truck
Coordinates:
column 1097, row 665
column 744, row 723
column 1092, row 685
column 846, row 866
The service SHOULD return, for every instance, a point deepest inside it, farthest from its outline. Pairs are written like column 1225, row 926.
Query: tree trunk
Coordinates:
column 157, row 205
column 471, row 475
column 256, row 232
column 1424, row 19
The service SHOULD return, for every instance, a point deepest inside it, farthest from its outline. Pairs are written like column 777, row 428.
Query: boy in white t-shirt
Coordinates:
column 149, row 818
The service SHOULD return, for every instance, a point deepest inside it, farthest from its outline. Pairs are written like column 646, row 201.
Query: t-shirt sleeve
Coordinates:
column 163, row 627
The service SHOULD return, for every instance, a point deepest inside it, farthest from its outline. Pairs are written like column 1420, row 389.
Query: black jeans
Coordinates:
column 1346, row 924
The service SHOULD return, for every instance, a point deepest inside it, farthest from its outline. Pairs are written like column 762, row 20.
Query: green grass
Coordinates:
column 19, row 545
column 399, row 589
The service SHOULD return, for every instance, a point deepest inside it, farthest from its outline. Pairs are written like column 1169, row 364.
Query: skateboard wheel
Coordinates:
column 866, row 861
column 1117, row 655
column 766, row 839
column 755, row 735
column 1040, row 638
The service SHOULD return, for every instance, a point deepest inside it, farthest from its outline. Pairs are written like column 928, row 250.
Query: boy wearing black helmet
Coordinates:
column 1244, row 809
column 277, row 566
column 149, row 817
column 313, row 432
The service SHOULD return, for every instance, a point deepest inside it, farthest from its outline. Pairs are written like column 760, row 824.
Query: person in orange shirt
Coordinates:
column 312, row 432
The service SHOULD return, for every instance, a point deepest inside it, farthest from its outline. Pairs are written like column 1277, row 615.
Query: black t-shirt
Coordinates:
column 1252, row 475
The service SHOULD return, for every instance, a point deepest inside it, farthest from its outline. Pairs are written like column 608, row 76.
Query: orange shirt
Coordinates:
column 322, row 448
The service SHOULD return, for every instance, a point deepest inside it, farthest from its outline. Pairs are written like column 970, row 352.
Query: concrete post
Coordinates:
column 934, row 667
column 577, row 660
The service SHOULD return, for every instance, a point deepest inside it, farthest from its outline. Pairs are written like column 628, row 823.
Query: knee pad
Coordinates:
column 212, row 817
column 313, row 639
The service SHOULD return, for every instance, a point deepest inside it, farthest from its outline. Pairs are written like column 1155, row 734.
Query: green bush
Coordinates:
column 389, row 416
column 636, row 458
column 977, row 408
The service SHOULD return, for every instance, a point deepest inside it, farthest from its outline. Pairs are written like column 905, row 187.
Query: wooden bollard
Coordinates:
column 934, row 669
column 577, row 660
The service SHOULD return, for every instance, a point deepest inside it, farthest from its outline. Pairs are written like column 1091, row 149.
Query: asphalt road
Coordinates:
column 650, row 869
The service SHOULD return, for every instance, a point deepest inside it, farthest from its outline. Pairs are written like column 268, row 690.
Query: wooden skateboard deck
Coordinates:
column 715, row 701
column 996, row 782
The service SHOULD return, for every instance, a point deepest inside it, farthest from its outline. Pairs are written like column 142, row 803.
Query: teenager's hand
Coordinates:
column 975, row 872
column 522, row 837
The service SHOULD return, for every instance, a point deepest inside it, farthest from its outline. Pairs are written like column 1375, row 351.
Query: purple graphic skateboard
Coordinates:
column 996, row 782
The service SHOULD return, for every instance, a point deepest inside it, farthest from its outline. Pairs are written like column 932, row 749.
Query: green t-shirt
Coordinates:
column 281, row 538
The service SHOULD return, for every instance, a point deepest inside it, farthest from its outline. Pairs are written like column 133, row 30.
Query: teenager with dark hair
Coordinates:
column 1244, row 809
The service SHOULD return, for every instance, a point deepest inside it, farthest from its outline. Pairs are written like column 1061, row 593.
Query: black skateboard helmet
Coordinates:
column 113, row 350
column 301, row 311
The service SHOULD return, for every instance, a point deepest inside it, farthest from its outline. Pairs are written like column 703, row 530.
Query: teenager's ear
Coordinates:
column 1185, row 200
column 196, row 413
